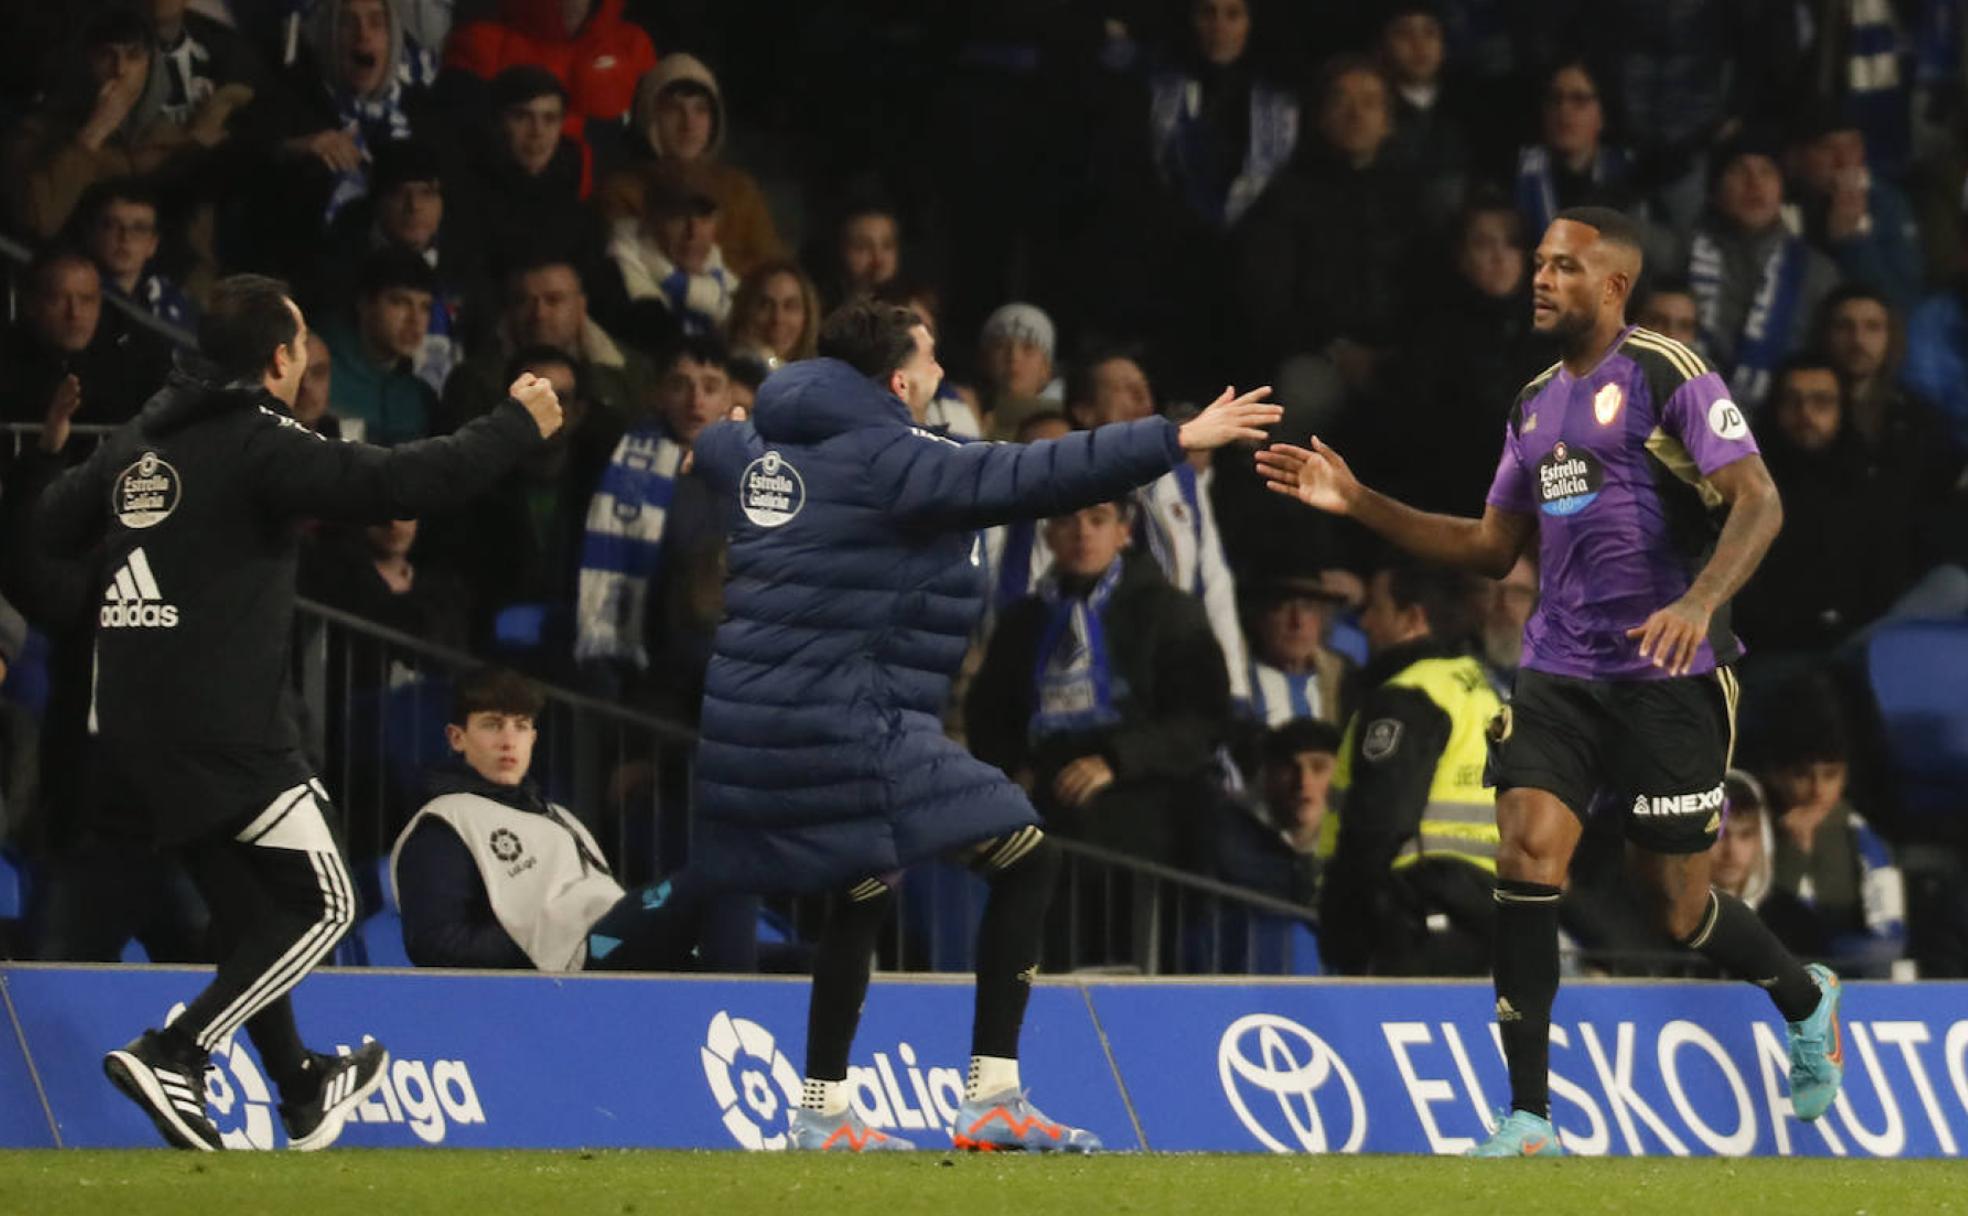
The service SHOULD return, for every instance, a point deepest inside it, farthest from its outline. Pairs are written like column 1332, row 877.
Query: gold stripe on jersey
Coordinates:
column 1671, row 453
column 1685, row 361
column 1731, row 697
column 1538, row 381
column 1683, row 358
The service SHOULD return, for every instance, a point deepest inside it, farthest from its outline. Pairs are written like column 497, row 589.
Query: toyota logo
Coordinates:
column 1272, row 1059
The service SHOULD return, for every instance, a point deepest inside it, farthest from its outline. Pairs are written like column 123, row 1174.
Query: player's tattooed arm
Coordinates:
column 1671, row 636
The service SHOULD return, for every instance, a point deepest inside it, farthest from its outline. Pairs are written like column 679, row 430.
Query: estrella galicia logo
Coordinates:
column 505, row 845
column 1568, row 480
column 146, row 493
column 753, row 1082
column 1277, row 1076
column 771, row 491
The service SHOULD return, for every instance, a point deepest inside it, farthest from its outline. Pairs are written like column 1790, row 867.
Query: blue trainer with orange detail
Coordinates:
column 842, row 1133
column 1817, row 1049
column 1519, row 1133
column 1008, row 1123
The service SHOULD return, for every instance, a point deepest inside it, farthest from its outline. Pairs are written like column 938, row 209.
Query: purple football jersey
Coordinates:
column 1615, row 465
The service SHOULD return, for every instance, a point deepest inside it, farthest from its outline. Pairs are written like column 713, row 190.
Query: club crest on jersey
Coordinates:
column 771, row 491
column 1606, row 404
column 146, row 493
column 1569, row 479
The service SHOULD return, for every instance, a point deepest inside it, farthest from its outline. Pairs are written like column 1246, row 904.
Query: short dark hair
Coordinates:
column 495, row 690
column 399, row 161
column 522, row 83
column 544, row 257
column 1809, row 359
column 1348, row 63
column 1297, row 735
column 539, row 355
column 45, row 262
column 707, row 349
column 1613, row 227
column 1442, row 594
column 391, row 267
column 1845, row 293
column 247, row 318
column 117, row 25
column 1079, row 373
column 747, row 368
column 870, row 337
column 117, row 190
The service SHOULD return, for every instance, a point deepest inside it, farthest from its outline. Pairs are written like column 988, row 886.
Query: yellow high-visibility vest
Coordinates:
column 1459, row 822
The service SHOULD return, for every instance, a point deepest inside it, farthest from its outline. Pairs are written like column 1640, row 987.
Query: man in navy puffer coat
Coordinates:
column 856, row 576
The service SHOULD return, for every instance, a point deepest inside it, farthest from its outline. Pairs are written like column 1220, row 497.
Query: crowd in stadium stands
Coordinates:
column 1102, row 209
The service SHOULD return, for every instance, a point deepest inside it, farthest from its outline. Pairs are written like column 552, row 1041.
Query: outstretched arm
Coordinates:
column 975, row 485
column 1318, row 478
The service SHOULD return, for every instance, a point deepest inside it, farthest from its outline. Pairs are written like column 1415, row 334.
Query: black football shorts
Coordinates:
column 1660, row 747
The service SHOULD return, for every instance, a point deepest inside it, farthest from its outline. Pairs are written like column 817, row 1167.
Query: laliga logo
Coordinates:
column 753, row 1081
column 237, row 1093
column 1276, row 1057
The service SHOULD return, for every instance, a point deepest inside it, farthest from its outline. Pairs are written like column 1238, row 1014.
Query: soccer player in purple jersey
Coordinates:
column 1652, row 509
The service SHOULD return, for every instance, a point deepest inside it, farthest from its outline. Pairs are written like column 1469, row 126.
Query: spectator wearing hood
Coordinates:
column 588, row 46
column 358, row 85
column 680, row 116
column 105, row 120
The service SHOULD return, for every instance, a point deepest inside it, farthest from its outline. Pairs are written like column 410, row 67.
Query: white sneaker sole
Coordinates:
column 330, row 1129
column 135, row 1079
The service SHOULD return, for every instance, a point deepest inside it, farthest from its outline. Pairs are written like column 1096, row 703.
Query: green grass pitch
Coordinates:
column 610, row 1183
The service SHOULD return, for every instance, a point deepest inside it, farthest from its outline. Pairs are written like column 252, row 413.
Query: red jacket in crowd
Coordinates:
column 598, row 64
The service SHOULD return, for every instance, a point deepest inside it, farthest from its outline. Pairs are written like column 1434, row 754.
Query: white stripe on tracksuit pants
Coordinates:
column 286, row 862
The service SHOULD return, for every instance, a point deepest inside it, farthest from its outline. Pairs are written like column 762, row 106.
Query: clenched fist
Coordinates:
column 536, row 393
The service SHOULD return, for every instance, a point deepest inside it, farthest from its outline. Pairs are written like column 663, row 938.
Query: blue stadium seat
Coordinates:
column 13, row 887
column 27, row 676
column 1919, row 670
column 378, row 937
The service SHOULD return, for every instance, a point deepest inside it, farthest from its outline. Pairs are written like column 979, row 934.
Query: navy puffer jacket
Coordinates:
column 856, row 577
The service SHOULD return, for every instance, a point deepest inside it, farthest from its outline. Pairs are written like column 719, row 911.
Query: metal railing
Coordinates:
column 375, row 702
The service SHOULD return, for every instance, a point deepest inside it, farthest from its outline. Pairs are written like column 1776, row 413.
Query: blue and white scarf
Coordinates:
column 1154, row 529
column 1014, row 579
column 1277, row 696
column 1186, row 158
column 372, row 121
column 1772, row 318
column 1536, row 192
column 1073, row 681
column 622, row 549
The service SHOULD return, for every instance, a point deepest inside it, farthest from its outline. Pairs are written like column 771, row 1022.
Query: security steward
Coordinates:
column 1413, row 840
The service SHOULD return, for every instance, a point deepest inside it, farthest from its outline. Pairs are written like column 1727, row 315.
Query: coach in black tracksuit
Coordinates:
column 195, row 504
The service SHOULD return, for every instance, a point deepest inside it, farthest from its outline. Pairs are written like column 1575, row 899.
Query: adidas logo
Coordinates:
column 132, row 599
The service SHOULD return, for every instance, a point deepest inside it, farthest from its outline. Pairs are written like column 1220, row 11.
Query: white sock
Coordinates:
column 990, row 1075
column 825, row 1097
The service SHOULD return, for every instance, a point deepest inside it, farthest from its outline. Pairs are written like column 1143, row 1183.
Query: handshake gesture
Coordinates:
column 536, row 393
